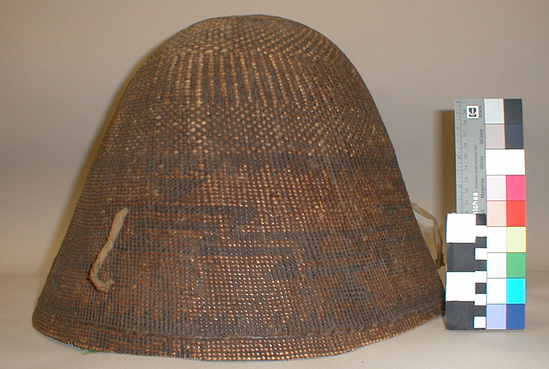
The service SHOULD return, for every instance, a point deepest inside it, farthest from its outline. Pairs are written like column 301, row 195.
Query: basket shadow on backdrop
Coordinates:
column 245, row 204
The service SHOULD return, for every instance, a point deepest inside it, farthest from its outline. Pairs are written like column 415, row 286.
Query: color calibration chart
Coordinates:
column 486, row 237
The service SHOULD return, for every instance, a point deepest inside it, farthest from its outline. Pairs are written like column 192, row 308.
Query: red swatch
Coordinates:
column 516, row 213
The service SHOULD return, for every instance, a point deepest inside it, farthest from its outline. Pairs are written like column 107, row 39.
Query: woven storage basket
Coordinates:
column 246, row 204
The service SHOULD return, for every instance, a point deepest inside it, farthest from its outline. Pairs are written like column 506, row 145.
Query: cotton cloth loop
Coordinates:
column 117, row 223
column 437, row 235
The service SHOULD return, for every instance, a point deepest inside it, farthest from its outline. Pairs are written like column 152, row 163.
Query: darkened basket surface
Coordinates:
column 268, row 218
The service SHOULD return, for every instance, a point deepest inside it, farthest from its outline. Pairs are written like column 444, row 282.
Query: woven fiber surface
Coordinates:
column 268, row 218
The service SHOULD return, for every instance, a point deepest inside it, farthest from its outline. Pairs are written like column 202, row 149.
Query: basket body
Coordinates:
column 268, row 218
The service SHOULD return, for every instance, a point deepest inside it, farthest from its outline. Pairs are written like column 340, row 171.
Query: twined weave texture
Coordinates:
column 268, row 218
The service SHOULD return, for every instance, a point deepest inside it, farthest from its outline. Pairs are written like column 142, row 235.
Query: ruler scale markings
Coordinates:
column 470, row 156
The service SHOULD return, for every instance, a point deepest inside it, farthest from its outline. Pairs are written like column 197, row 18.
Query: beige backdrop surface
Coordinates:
column 63, row 65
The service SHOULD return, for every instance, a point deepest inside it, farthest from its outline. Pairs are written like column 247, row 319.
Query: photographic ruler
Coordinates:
column 486, row 237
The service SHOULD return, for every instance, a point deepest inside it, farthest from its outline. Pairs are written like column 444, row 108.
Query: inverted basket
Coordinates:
column 245, row 204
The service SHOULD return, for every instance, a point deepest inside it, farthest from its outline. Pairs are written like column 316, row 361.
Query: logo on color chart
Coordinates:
column 473, row 111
